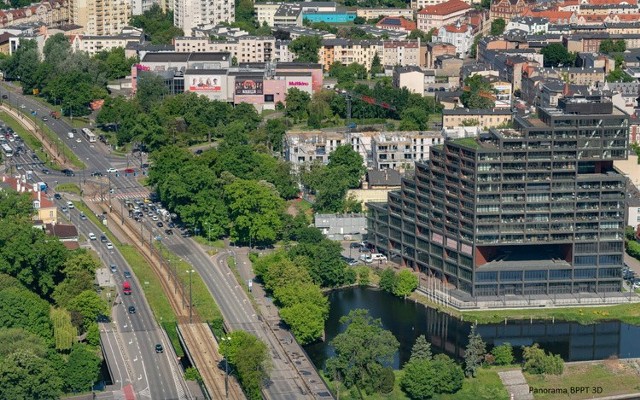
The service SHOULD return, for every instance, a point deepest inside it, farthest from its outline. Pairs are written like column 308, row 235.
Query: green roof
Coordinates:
column 467, row 142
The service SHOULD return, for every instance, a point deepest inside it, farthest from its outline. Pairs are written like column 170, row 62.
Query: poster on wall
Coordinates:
column 205, row 84
column 249, row 86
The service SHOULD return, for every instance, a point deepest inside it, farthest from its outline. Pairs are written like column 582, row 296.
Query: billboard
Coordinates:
column 249, row 86
column 205, row 83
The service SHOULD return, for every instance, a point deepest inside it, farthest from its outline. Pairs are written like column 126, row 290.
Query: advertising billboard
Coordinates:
column 249, row 86
column 205, row 83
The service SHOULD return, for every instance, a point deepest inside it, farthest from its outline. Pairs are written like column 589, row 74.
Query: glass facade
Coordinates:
column 538, row 209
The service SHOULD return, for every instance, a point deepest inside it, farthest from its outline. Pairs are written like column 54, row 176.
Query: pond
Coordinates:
column 408, row 320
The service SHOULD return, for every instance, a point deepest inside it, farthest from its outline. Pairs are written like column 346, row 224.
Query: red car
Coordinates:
column 129, row 170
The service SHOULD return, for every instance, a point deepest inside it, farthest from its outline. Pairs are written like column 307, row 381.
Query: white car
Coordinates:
column 23, row 106
column 78, row 140
column 70, row 204
column 109, row 246
column 155, row 218
column 92, row 236
column 111, row 170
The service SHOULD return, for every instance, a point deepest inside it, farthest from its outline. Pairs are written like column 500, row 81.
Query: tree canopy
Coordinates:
column 157, row 24
column 249, row 359
column 306, row 48
column 555, row 54
column 497, row 27
column 478, row 93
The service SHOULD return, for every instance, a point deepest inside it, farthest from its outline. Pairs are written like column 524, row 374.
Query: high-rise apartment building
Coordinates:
column 534, row 210
column 188, row 14
column 100, row 17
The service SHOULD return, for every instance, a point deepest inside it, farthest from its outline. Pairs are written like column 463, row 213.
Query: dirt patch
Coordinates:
column 615, row 366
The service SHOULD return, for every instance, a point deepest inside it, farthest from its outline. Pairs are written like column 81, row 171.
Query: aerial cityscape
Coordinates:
column 360, row 199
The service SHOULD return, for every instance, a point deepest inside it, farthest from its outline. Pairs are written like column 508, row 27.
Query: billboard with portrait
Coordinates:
column 205, row 83
column 249, row 86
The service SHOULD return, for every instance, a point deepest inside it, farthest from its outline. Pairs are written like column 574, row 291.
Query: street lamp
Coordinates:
column 208, row 230
column 190, row 272
column 226, row 370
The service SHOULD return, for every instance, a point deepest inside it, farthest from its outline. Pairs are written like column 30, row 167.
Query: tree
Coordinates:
column 537, row 361
column 363, row 347
column 297, row 104
column 18, row 339
column 151, row 90
column 388, row 280
column 14, row 204
column 306, row 321
column 359, row 21
column 497, row 27
column 324, row 262
column 618, row 75
column 157, row 24
column 449, row 375
column 352, row 162
column 474, row 353
column 82, row 369
column 306, row 48
column 248, row 356
column 424, row 37
column 608, row 46
column 473, row 52
column 255, row 211
column 421, row 349
column 556, row 55
column 478, row 93
column 423, row 378
column 376, row 65
column 405, row 283
column 21, row 308
column 503, row 354
column 23, row 375
column 89, row 305
column 414, row 119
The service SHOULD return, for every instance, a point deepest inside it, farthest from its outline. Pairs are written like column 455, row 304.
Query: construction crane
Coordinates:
column 349, row 96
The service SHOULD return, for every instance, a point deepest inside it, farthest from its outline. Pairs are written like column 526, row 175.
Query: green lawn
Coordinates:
column 68, row 188
column 29, row 139
column 629, row 313
column 610, row 378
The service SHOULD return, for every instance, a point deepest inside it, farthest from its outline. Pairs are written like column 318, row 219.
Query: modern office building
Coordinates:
column 534, row 210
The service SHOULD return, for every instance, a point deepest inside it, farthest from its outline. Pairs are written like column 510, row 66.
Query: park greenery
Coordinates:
column 400, row 284
column 48, row 309
column 63, row 77
column 537, row 361
column 497, row 27
column 248, row 358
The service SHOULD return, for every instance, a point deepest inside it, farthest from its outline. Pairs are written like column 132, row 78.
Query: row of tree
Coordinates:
column 47, row 302
column 64, row 77
column 248, row 358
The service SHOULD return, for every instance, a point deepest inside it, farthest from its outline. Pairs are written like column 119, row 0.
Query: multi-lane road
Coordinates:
column 129, row 339
column 287, row 381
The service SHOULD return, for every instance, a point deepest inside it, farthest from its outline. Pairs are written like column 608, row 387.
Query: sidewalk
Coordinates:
column 516, row 385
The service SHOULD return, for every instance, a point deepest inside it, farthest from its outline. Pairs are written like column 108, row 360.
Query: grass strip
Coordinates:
column 68, row 188
column 29, row 139
column 203, row 301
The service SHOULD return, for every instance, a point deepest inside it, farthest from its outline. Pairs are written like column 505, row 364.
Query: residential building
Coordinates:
column 442, row 14
column 245, row 49
column 485, row 118
column 295, row 32
column 401, row 52
column 399, row 150
column 288, row 15
column 538, row 210
column 266, row 12
column 376, row 13
column 448, row 65
column 45, row 210
column 282, row 52
column 95, row 44
column 50, row 13
column 100, row 17
column 435, row 49
column 502, row 91
column 384, row 34
column 411, row 78
column 508, row 9
column 348, row 51
column 530, row 25
column 396, row 24
column 459, row 35
column 138, row 7
column 189, row 14
column 420, row 4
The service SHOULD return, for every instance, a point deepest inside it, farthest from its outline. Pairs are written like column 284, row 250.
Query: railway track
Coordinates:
column 197, row 336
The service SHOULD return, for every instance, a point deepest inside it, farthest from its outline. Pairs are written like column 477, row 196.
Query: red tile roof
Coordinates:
column 396, row 23
column 552, row 16
column 447, row 8
column 453, row 28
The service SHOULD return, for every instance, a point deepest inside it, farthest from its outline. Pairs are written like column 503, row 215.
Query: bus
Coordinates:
column 90, row 136
column 7, row 150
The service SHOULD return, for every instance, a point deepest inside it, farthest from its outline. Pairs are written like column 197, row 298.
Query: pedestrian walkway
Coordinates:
column 120, row 196
column 516, row 385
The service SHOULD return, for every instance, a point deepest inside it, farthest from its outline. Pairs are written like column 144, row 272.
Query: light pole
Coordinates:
column 190, row 272
column 226, row 370
column 208, row 230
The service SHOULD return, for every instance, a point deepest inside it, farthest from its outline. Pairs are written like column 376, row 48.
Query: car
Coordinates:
column 132, row 310
column 103, row 238
column 199, row 151
column 113, row 268
column 83, row 217
column 129, row 170
column 111, row 170
column 74, row 130
column 168, row 231
column 70, row 205
column 109, row 246
column 103, row 318
column 160, row 224
column 23, row 106
column 45, row 118
column 352, row 262
column 68, row 172
column 172, row 225
column 78, row 140
column 92, row 236
column 159, row 348
column 64, row 209
column 155, row 218
column 4, row 96
column 96, row 173
column 355, row 245
column 127, row 274
column 57, row 196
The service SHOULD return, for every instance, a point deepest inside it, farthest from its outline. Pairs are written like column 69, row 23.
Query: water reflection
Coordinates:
column 407, row 320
